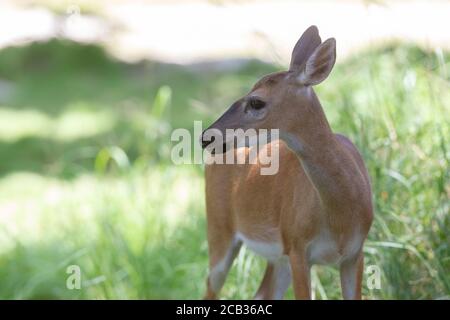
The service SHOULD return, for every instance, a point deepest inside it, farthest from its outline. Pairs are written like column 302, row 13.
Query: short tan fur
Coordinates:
column 316, row 210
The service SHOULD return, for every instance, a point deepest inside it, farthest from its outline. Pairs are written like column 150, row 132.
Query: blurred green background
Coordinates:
column 86, row 177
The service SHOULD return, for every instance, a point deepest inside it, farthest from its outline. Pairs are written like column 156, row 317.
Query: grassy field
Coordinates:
column 86, row 177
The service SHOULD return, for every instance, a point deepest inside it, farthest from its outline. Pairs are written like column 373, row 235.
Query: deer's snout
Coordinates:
column 206, row 139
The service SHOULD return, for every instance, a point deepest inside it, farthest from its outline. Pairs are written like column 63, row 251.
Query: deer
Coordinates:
column 317, row 209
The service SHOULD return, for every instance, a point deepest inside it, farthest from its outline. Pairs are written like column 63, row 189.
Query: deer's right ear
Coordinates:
column 304, row 47
column 319, row 64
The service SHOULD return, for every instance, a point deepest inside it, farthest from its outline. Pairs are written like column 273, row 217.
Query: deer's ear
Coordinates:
column 304, row 47
column 319, row 64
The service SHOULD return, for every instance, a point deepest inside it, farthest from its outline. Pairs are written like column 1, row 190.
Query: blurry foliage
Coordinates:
column 85, row 174
column 57, row 78
column 61, row 7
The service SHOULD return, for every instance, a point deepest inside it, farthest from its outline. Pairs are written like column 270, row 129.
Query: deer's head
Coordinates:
column 283, row 100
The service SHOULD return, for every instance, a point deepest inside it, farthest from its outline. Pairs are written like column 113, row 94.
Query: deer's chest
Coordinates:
column 325, row 249
column 271, row 250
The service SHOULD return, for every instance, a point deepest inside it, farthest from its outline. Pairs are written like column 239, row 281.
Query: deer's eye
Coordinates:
column 256, row 104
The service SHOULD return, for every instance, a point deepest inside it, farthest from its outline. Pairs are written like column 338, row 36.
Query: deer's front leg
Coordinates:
column 222, row 251
column 276, row 281
column 300, row 274
column 351, row 277
column 263, row 292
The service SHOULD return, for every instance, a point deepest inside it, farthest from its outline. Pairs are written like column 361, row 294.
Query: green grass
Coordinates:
column 86, row 177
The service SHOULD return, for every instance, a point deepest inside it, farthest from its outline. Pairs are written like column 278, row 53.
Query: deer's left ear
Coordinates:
column 319, row 64
column 304, row 47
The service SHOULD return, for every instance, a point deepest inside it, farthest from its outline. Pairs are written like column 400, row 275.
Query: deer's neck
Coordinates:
column 320, row 154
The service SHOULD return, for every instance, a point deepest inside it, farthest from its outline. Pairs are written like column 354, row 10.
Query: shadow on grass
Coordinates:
column 56, row 77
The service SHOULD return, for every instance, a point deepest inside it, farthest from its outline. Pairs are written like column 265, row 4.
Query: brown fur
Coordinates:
column 321, row 185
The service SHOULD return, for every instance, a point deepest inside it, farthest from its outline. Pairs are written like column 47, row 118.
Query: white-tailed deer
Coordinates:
column 316, row 210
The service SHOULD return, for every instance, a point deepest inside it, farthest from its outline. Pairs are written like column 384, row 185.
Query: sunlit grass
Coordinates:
column 99, row 223
column 19, row 124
